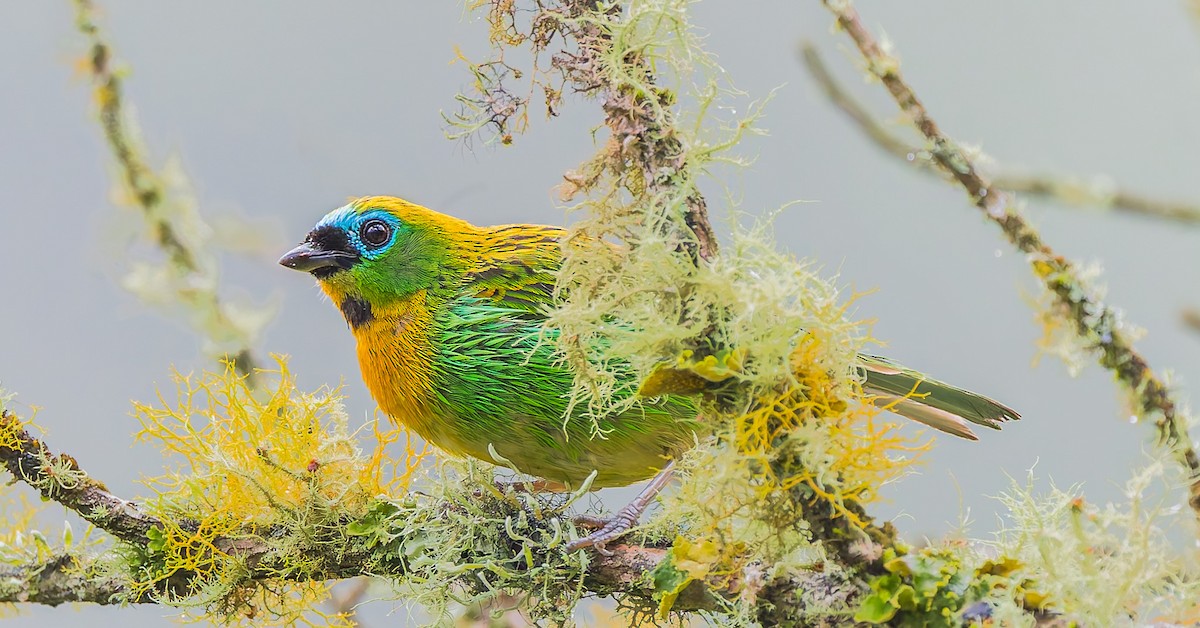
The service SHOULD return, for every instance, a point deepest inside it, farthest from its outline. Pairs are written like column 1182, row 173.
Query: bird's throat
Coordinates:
column 357, row 311
column 395, row 355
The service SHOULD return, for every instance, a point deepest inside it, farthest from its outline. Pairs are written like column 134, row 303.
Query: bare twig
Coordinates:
column 1091, row 191
column 1094, row 320
column 150, row 194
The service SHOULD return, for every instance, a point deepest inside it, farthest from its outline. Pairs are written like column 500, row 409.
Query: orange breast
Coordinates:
column 395, row 354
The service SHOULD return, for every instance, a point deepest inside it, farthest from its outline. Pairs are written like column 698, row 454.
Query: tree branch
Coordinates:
column 68, row 578
column 1094, row 321
column 151, row 195
column 1068, row 190
column 58, row 477
column 63, row 579
column 641, row 126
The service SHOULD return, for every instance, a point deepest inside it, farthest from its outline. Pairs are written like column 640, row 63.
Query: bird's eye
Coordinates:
column 375, row 232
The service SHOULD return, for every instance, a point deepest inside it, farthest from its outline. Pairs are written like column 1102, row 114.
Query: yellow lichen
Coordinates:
column 265, row 454
column 246, row 460
column 11, row 426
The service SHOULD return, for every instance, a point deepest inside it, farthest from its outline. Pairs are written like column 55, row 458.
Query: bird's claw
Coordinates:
column 606, row 530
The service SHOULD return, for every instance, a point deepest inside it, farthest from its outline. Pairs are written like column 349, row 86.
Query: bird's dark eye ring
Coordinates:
column 375, row 232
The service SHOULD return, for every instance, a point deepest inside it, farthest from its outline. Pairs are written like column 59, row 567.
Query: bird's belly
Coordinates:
column 545, row 450
column 484, row 379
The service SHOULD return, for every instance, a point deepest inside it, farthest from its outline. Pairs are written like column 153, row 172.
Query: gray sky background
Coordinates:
column 282, row 110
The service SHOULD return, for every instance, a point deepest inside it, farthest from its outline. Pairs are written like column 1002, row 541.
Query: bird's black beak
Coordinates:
column 313, row 256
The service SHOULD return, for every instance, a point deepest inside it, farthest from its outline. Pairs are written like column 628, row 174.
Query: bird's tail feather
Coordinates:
column 939, row 405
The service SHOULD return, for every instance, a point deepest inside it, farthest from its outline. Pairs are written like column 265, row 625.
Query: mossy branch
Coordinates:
column 637, row 115
column 58, row 477
column 1095, row 322
column 646, row 148
column 1094, row 191
column 63, row 579
column 188, row 273
column 341, row 553
column 66, row 578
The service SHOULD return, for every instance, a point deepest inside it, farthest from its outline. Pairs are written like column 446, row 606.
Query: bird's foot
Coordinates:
column 607, row 530
column 591, row 522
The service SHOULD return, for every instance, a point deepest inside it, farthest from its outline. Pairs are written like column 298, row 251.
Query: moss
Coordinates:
column 464, row 541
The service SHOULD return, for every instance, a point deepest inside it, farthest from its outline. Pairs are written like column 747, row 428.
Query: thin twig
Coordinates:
column 1069, row 190
column 1094, row 321
column 151, row 196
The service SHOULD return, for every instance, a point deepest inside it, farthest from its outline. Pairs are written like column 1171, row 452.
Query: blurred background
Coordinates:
column 280, row 111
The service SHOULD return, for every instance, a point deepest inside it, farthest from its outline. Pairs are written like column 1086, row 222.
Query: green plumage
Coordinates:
column 498, row 382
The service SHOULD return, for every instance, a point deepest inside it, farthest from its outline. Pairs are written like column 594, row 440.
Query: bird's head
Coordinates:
column 377, row 250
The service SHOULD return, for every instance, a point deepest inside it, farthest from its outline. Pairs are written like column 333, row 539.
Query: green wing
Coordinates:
column 518, row 266
column 501, row 385
column 517, row 269
column 916, row 396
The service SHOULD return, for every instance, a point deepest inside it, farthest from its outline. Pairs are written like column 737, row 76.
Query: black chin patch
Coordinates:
column 325, row 272
column 357, row 311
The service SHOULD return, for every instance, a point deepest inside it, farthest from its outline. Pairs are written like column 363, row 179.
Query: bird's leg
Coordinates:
column 625, row 518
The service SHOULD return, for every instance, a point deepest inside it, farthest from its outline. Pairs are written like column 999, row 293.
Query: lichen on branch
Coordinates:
column 1097, row 326
column 648, row 306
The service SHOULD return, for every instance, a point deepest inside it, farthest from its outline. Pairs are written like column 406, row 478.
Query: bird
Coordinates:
column 449, row 320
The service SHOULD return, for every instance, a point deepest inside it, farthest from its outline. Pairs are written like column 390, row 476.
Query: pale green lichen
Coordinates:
column 465, row 541
column 795, row 457
column 647, row 307
column 1095, row 563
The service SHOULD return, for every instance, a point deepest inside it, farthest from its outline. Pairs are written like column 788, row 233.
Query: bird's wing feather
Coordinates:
column 929, row 401
column 517, row 266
